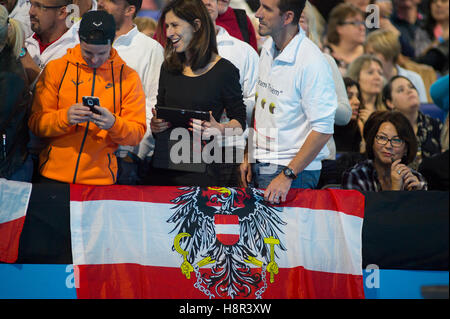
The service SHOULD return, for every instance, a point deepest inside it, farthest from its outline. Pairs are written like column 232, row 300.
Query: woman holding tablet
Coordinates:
column 193, row 77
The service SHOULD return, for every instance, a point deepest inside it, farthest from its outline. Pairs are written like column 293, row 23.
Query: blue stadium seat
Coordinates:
column 434, row 111
column 149, row 13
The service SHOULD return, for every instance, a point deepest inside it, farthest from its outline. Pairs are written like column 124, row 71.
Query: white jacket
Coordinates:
column 245, row 59
column 55, row 50
column 21, row 13
column 145, row 56
column 58, row 48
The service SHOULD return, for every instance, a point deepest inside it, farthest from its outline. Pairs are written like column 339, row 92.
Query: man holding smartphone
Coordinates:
column 81, row 143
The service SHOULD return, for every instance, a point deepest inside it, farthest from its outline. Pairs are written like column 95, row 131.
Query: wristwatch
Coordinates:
column 22, row 53
column 288, row 172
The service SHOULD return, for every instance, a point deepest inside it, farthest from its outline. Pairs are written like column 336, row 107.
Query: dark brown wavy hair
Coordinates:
column 404, row 129
column 203, row 43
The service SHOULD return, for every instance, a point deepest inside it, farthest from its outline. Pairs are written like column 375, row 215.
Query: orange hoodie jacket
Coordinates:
column 84, row 153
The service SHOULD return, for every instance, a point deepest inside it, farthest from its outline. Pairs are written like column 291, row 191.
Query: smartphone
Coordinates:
column 90, row 101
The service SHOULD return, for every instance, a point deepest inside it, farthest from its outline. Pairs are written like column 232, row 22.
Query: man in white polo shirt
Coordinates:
column 295, row 106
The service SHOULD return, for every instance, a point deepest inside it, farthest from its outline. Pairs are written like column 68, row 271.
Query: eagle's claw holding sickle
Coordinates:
column 186, row 267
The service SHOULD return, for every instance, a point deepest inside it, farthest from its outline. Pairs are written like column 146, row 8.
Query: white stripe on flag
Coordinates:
column 14, row 198
column 227, row 229
column 109, row 231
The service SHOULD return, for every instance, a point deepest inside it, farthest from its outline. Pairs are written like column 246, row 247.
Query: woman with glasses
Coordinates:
column 346, row 34
column 390, row 146
column 401, row 95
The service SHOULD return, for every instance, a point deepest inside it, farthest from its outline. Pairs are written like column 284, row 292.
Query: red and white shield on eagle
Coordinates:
column 227, row 229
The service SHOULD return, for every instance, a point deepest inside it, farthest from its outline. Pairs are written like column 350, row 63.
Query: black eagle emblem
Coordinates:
column 200, row 222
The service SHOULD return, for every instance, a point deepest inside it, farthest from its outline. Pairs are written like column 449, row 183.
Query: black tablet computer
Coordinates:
column 180, row 117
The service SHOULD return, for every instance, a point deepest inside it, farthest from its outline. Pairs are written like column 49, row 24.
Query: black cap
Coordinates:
column 97, row 27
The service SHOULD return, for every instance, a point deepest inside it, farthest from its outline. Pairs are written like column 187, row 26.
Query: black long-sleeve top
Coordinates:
column 217, row 90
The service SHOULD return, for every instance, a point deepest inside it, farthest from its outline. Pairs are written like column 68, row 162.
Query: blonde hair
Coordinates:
column 144, row 23
column 312, row 26
column 354, row 71
column 11, row 32
column 384, row 42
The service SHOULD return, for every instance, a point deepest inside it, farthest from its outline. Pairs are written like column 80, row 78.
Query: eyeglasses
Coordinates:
column 383, row 140
column 42, row 7
column 353, row 23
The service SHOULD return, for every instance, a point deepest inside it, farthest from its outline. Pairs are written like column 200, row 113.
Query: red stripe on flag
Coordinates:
column 221, row 219
column 349, row 202
column 131, row 281
column 9, row 239
column 155, row 194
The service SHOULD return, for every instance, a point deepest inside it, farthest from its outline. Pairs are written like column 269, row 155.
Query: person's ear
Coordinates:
column 390, row 105
column 130, row 10
column 197, row 24
column 288, row 17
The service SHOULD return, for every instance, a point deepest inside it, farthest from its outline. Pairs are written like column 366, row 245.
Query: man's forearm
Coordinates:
column 30, row 67
column 308, row 152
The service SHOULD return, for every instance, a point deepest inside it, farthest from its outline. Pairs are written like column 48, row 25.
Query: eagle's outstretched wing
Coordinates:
column 194, row 219
column 263, row 221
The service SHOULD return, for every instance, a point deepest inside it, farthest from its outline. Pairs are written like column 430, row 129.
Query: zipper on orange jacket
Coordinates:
column 85, row 132
column 110, row 170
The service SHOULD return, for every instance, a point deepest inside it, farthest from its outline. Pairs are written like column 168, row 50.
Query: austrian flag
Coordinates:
column 215, row 242
column 14, row 198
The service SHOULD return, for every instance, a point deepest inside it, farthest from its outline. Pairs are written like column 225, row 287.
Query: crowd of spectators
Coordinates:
column 387, row 60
